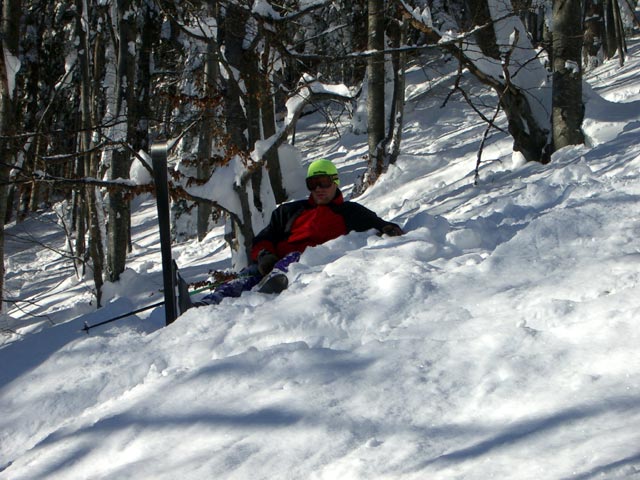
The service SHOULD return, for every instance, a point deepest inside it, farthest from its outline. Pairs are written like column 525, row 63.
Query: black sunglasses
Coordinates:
column 322, row 181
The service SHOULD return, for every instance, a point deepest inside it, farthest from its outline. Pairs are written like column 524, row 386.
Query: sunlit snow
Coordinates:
column 497, row 339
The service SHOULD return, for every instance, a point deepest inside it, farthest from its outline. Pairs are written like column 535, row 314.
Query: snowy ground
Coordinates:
column 497, row 339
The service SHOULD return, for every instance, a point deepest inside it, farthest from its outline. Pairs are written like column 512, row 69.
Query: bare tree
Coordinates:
column 397, row 31
column 613, row 31
column 9, row 34
column 376, row 117
column 206, row 138
column 499, row 40
column 568, row 108
column 125, row 121
column 88, row 214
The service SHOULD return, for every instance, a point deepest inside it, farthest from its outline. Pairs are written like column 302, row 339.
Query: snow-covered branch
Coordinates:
column 264, row 10
column 310, row 91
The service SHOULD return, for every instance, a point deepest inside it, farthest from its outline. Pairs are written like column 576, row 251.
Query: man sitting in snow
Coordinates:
column 294, row 226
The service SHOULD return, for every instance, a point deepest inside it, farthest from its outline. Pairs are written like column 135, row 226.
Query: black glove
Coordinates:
column 266, row 261
column 392, row 230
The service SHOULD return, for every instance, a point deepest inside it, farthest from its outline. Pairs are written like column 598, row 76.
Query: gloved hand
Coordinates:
column 392, row 230
column 266, row 261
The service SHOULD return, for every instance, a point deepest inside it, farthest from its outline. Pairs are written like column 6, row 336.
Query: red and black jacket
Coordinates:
column 297, row 225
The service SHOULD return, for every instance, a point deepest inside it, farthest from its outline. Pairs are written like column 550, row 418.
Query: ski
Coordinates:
column 273, row 283
column 159, row 161
column 184, row 297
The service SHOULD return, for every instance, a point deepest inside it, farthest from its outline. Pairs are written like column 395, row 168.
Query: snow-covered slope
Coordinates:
column 497, row 339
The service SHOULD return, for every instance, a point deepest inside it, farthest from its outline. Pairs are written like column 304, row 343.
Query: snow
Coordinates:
column 307, row 89
column 496, row 339
column 219, row 188
column 423, row 16
column 138, row 173
column 264, row 9
column 12, row 66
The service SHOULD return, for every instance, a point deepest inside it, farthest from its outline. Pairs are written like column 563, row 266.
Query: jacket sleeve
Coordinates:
column 278, row 229
column 360, row 219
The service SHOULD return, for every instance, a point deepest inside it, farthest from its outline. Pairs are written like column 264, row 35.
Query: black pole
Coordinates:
column 88, row 327
column 159, row 160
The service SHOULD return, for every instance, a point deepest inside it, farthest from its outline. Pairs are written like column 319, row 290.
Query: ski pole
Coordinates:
column 88, row 327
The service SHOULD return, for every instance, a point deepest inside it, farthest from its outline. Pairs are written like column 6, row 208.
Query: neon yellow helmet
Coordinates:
column 323, row 167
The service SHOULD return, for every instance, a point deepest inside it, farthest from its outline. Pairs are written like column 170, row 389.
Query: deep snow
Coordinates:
column 497, row 339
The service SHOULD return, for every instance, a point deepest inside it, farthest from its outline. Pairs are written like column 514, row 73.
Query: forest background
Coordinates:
column 87, row 87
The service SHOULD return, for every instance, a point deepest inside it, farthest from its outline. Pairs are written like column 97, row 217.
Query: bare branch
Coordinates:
column 491, row 124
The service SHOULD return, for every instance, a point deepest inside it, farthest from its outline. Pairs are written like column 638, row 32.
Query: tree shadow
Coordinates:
column 33, row 349
column 609, row 468
column 87, row 437
column 526, row 429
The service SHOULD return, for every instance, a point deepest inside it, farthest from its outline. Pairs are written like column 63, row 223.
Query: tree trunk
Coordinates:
column 119, row 207
column 205, row 141
column 619, row 32
column 376, row 79
column 530, row 136
column 238, row 125
column 140, row 114
column 85, row 136
column 610, row 41
column 80, row 214
column 94, row 197
column 234, row 29
column 38, row 166
column 568, row 108
column 528, row 127
column 244, row 113
column 486, row 37
column 267, row 115
column 593, row 28
column 9, row 35
column 397, row 35
column 88, row 213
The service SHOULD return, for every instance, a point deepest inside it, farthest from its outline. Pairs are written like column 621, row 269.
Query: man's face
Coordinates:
column 323, row 196
column 322, row 188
